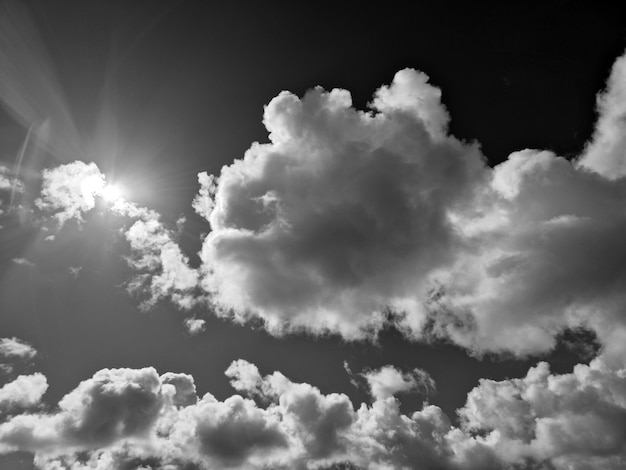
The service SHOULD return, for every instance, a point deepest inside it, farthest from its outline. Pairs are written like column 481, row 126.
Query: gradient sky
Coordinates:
column 467, row 227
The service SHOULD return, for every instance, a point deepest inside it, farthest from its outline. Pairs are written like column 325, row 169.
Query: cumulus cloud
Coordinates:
column 23, row 392
column 548, row 256
column 16, row 348
column 346, row 220
column 162, row 270
column 388, row 381
column 195, row 325
column 605, row 152
column 574, row 421
column 126, row 418
column 343, row 214
column 112, row 405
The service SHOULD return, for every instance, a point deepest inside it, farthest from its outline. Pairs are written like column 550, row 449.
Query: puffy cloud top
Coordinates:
column 389, row 381
column 16, row 348
column 342, row 215
column 125, row 418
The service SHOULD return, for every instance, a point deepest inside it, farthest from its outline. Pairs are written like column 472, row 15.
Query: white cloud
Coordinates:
column 605, row 152
column 388, row 381
column 342, row 215
column 203, row 202
column 23, row 262
column 112, row 405
column 575, row 421
column 156, row 254
column 184, row 393
column 554, row 260
column 23, row 392
column 195, row 325
column 346, row 216
column 126, row 418
column 69, row 190
column 347, row 220
column 16, row 348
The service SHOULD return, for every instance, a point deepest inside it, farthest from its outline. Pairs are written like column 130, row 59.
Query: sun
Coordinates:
column 111, row 192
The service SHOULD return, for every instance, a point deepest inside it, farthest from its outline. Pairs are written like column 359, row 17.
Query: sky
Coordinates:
column 260, row 235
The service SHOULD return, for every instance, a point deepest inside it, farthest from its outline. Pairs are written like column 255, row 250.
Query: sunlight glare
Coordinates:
column 111, row 193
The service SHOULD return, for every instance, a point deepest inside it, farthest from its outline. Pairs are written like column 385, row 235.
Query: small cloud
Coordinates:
column 75, row 271
column 16, row 348
column 23, row 262
column 70, row 190
column 388, row 381
column 195, row 325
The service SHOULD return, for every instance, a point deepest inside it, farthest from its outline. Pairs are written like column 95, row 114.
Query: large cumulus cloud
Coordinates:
column 343, row 214
column 349, row 219
column 346, row 217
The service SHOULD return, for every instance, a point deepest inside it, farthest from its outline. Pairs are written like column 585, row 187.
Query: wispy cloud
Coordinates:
column 23, row 262
column 70, row 190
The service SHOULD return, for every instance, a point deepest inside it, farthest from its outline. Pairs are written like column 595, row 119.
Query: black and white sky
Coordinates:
column 266, row 235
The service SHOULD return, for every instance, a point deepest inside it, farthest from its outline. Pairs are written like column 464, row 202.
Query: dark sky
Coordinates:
column 157, row 92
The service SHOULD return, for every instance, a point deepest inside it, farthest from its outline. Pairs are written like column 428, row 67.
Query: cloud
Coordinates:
column 388, row 381
column 605, row 152
column 166, row 269
column 125, row 418
column 16, row 348
column 342, row 215
column 112, row 405
column 348, row 220
column 548, row 257
column 574, row 421
column 69, row 190
column 23, row 262
column 195, row 325
column 184, row 393
column 23, row 392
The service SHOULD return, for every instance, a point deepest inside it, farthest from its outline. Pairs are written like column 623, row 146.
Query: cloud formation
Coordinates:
column 548, row 256
column 605, row 152
column 14, row 353
column 349, row 220
column 389, row 381
column 70, row 190
column 16, row 348
column 126, row 418
column 343, row 214
column 23, row 392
